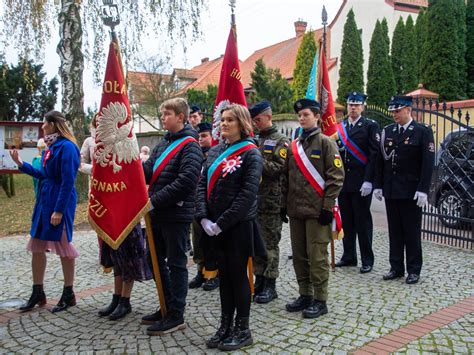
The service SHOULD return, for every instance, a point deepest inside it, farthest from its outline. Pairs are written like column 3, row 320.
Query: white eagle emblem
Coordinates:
column 115, row 143
column 216, row 125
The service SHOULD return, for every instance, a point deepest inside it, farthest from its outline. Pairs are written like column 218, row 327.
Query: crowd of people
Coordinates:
column 234, row 198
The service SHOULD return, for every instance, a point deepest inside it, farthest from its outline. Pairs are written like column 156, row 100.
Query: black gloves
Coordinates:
column 325, row 217
column 283, row 216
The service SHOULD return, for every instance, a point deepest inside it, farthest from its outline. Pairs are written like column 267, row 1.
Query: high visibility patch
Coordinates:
column 338, row 163
column 283, row 153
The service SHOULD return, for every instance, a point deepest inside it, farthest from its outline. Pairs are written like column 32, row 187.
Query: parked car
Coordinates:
column 452, row 188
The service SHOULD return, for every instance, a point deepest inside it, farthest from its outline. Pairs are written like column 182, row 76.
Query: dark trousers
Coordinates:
column 234, row 284
column 170, row 242
column 357, row 223
column 198, row 253
column 404, row 231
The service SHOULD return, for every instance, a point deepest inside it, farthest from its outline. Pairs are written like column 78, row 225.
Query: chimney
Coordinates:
column 300, row 27
column 204, row 60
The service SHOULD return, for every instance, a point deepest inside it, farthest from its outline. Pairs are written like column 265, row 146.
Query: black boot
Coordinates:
column 224, row 331
column 111, row 307
column 37, row 297
column 240, row 336
column 211, row 284
column 197, row 281
column 269, row 292
column 259, row 285
column 173, row 321
column 153, row 317
column 122, row 309
column 315, row 310
column 68, row 299
column 299, row 304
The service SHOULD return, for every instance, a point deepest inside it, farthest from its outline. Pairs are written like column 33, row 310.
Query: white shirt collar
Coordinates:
column 353, row 122
column 405, row 126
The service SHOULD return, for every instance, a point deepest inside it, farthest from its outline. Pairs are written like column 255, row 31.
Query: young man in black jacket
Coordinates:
column 172, row 172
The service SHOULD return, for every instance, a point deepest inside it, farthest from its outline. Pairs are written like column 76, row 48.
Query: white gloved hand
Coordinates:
column 216, row 229
column 378, row 193
column 366, row 188
column 422, row 199
column 207, row 226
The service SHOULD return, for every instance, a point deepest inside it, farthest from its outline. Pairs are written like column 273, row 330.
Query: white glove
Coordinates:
column 366, row 188
column 422, row 199
column 378, row 193
column 207, row 226
column 216, row 229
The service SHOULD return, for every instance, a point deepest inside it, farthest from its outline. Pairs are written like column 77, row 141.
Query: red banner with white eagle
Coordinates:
column 328, row 111
column 118, row 196
column 230, row 89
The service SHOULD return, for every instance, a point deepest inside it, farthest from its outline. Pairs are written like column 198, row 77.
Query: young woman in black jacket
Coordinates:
column 227, row 211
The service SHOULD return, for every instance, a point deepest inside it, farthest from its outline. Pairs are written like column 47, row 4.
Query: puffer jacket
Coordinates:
column 173, row 193
column 234, row 197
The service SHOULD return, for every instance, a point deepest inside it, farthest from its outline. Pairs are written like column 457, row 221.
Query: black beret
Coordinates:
column 258, row 108
column 204, row 127
column 306, row 103
column 194, row 108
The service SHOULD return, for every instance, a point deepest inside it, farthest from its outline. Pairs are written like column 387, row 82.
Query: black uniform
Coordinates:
column 404, row 167
column 355, row 209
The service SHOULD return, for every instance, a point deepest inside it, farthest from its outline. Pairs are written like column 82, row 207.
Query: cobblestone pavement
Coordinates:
column 361, row 307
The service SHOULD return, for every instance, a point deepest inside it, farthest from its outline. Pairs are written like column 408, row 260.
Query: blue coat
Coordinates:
column 57, row 192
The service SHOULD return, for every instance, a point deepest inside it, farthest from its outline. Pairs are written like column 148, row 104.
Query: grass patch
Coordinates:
column 15, row 212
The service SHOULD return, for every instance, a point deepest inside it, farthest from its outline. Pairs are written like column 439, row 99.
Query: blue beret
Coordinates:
column 356, row 98
column 194, row 108
column 258, row 108
column 306, row 103
column 204, row 127
column 397, row 102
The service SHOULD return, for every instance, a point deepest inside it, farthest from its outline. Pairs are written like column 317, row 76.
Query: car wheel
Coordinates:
column 450, row 208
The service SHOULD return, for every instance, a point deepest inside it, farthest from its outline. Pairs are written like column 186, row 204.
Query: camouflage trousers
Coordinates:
column 270, row 227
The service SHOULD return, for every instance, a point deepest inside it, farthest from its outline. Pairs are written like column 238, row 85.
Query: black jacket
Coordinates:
column 234, row 197
column 173, row 193
column 406, row 163
column 366, row 135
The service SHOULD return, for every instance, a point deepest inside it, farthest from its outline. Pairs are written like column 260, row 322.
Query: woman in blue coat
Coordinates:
column 53, row 214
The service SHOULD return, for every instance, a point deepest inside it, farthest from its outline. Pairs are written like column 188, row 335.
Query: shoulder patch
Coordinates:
column 283, row 153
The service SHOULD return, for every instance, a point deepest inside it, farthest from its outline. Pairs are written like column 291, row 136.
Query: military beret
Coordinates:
column 194, row 108
column 204, row 127
column 397, row 102
column 306, row 103
column 258, row 108
column 356, row 98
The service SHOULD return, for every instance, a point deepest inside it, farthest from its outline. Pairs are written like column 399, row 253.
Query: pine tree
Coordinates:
column 470, row 47
column 380, row 83
column 384, row 26
column 410, row 65
column 351, row 73
column 460, row 14
column 420, row 38
column 398, row 54
column 304, row 62
column 439, row 59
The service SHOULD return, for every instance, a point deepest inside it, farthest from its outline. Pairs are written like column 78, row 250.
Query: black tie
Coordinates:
column 350, row 126
column 402, row 130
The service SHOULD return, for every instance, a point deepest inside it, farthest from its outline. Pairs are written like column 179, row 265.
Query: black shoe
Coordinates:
column 38, row 297
column 299, row 304
column 152, row 318
column 224, row 331
column 124, row 307
column 197, row 281
column 412, row 279
column 173, row 321
column 259, row 285
column 211, row 284
column 269, row 292
column 365, row 269
column 315, row 310
column 342, row 263
column 393, row 275
column 68, row 299
column 240, row 336
column 104, row 312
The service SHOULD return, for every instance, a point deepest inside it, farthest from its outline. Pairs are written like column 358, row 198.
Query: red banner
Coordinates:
column 230, row 88
column 328, row 112
column 118, row 197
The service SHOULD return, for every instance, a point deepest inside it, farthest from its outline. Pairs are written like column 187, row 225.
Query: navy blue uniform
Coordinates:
column 355, row 209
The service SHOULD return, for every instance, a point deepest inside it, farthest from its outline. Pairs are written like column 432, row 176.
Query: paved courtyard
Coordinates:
column 366, row 314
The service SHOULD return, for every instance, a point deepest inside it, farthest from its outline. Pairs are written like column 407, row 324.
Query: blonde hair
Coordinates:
column 178, row 105
column 242, row 114
column 59, row 121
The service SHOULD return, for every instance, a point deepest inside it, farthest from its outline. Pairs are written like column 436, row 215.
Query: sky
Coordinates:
column 260, row 23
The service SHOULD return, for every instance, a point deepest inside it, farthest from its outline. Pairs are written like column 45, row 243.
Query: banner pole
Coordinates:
column 250, row 268
column 333, row 258
column 154, row 261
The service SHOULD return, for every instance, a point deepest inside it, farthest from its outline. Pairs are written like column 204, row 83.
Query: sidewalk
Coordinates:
column 437, row 315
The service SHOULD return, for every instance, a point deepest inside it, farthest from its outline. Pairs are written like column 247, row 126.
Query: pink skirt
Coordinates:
column 62, row 248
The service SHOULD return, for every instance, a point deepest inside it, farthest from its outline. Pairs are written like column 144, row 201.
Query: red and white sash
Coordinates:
column 308, row 170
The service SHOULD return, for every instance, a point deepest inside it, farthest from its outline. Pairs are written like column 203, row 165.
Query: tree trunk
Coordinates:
column 71, row 71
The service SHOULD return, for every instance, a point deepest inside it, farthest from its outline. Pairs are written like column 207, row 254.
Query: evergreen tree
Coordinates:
column 410, row 65
column 420, row 38
column 380, row 83
column 204, row 99
column 384, row 26
column 304, row 62
column 351, row 73
column 470, row 47
column 439, row 59
column 460, row 14
column 398, row 54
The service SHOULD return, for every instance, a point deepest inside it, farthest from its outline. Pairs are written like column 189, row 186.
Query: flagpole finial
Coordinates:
column 324, row 16
column 110, row 14
column 232, row 16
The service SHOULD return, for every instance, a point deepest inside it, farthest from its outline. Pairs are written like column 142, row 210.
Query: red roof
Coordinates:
column 422, row 92
column 211, row 71
column 144, row 84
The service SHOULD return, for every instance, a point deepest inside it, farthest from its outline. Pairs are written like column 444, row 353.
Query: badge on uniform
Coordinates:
column 315, row 153
column 406, row 140
column 269, row 145
column 268, row 149
column 283, row 153
column 338, row 162
column 377, row 137
column 431, row 147
column 231, row 165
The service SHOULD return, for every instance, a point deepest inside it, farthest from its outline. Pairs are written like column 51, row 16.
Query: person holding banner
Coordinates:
column 314, row 178
column 53, row 215
column 227, row 211
column 172, row 172
column 358, row 141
